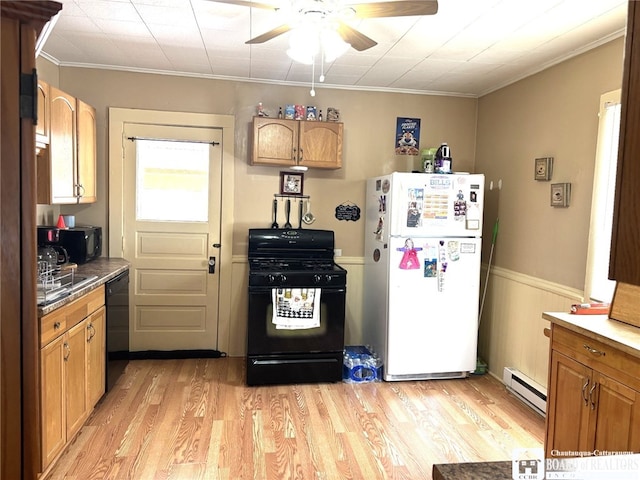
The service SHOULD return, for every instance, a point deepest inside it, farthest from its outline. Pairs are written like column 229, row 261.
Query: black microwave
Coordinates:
column 83, row 244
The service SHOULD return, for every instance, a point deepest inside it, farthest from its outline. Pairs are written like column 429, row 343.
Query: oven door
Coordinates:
column 264, row 338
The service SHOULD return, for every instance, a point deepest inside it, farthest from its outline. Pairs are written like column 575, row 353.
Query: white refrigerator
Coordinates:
column 422, row 273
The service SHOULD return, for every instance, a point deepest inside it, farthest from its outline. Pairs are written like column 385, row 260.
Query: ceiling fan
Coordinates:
column 334, row 11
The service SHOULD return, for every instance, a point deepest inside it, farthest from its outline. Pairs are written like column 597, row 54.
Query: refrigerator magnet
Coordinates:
column 431, row 268
column 454, row 251
column 379, row 231
column 409, row 259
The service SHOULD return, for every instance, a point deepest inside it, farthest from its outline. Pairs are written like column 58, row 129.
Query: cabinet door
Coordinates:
column 568, row 405
column 96, row 356
column 76, row 377
column 52, row 394
column 624, row 265
column 320, row 144
column 87, row 153
column 275, row 141
column 616, row 423
column 62, row 148
column 42, row 127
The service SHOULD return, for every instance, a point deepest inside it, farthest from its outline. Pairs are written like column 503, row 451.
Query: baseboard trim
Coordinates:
column 175, row 354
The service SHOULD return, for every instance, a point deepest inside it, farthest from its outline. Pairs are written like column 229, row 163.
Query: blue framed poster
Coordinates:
column 407, row 136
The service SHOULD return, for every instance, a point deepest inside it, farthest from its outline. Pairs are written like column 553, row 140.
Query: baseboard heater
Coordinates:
column 523, row 387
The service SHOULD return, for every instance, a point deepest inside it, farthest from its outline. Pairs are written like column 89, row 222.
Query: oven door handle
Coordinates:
column 325, row 290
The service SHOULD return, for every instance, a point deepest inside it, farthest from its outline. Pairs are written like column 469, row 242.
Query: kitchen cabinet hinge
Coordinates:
column 29, row 95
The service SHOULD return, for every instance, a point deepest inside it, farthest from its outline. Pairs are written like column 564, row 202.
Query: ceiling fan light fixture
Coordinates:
column 303, row 46
column 333, row 46
column 309, row 40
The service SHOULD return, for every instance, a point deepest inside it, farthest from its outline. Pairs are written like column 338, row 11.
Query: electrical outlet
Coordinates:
column 337, row 252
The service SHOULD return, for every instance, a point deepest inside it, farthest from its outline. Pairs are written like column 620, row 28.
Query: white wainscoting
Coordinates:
column 511, row 330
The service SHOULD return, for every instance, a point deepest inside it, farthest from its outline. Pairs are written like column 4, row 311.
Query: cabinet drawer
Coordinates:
column 598, row 355
column 65, row 317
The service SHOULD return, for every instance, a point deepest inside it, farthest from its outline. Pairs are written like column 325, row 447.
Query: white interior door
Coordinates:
column 172, row 178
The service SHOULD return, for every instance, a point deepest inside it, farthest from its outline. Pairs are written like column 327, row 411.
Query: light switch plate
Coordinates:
column 560, row 194
column 543, row 168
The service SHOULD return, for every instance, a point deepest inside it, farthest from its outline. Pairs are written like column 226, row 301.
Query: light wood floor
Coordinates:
column 196, row 419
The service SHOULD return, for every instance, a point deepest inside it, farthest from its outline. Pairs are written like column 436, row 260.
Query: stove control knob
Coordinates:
column 317, row 279
column 328, row 278
column 271, row 278
column 282, row 278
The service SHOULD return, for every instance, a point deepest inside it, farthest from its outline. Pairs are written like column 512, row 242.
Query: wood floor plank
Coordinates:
column 195, row 419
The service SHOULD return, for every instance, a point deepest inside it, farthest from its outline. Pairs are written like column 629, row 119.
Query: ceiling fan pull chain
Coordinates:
column 313, row 79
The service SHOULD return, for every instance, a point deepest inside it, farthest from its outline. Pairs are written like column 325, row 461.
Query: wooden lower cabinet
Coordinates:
column 52, row 398
column 594, row 397
column 568, row 430
column 96, row 355
column 72, row 369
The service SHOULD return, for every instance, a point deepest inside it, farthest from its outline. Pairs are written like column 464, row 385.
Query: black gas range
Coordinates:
column 295, row 330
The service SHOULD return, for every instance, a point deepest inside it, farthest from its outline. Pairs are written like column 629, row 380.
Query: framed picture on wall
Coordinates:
column 291, row 183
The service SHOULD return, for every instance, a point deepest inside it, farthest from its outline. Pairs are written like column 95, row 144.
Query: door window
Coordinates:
column 172, row 181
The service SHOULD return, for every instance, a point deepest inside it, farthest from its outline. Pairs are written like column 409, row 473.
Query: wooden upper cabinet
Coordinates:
column 274, row 141
column 62, row 149
column 87, row 155
column 67, row 168
column 321, row 144
column 297, row 142
column 44, row 116
column 625, row 262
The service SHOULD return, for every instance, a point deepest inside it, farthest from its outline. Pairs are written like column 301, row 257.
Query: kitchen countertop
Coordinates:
column 103, row 267
column 473, row 471
column 616, row 334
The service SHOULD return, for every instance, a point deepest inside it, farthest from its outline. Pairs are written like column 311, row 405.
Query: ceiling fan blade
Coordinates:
column 270, row 34
column 248, row 3
column 357, row 40
column 395, row 9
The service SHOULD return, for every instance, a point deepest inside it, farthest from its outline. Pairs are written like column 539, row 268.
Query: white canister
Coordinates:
column 69, row 221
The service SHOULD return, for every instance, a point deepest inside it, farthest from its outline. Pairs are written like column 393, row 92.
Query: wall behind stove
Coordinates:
column 369, row 119
column 369, row 130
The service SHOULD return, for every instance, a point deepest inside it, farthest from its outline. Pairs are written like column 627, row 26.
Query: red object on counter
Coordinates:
column 590, row 308
column 60, row 223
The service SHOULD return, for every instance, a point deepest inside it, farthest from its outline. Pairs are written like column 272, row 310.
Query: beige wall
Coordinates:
column 539, row 249
column 369, row 118
column 540, row 253
column 553, row 113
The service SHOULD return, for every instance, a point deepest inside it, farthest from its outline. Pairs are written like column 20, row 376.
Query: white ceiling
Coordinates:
column 470, row 47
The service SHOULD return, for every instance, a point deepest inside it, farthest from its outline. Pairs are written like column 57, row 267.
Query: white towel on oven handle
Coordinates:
column 296, row 312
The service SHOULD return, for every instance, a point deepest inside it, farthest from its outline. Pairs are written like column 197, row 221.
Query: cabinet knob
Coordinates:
column 67, row 351
column 56, row 326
